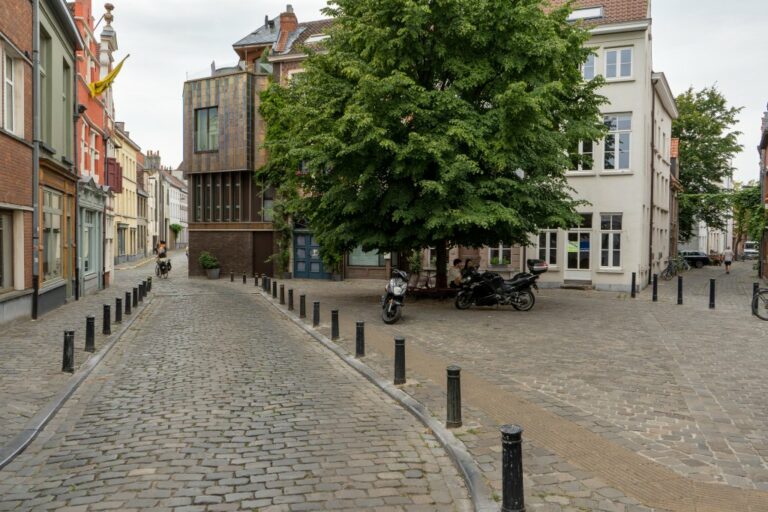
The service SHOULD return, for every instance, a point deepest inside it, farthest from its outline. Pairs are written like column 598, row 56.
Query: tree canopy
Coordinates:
column 433, row 122
column 749, row 214
column 708, row 144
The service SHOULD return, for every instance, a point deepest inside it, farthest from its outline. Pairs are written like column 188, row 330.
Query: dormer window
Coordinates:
column 317, row 38
column 586, row 14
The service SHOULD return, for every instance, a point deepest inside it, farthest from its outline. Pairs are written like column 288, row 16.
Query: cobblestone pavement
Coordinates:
column 212, row 401
column 680, row 385
column 30, row 351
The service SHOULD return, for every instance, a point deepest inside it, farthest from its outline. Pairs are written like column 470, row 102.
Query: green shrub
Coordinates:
column 208, row 260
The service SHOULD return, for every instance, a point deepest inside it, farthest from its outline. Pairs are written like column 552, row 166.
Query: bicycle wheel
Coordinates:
column 666, row 274
column 760, row 304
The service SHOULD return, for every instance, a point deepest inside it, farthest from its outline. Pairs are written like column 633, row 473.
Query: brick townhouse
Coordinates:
column 762, row 149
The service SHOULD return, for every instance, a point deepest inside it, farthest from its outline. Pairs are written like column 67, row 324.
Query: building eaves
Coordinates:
column 664, row 91
column 63, row 14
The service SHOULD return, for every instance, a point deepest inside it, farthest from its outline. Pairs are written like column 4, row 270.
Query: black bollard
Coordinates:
column 453, row 419
column 231, row 276
column 679, row 290
column 711, row 294
column 634, row 285
column 360, row 339
column 90, row 333
column 290, row 299
column 302, row 306
column 334, row 324
column 512, row 499
column 68, row 359
column 315, row 314
column 141, row 292
column 256, row 280
column 127, row 303
column 118, row 310
column 655, row 287
column 274, row 289
column 399, row 360
column 282, row 294
column 245, row 278
column 107, row 319
column 135, row 301
column 755, row 290
column 149, row 283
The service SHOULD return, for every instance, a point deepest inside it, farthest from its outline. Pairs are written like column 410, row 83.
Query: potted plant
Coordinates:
column 332, row 262
column 211, row 265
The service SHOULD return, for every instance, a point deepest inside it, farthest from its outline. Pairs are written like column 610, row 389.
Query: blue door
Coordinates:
column 307, row 263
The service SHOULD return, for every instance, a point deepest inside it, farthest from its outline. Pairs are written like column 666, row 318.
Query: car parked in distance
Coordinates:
column 696, row 258
column 750, row 254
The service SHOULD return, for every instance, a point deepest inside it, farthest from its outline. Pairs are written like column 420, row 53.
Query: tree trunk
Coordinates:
column 441, row 251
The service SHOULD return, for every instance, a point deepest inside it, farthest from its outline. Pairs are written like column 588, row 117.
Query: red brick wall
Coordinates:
column 235, row 250
column 16, row 23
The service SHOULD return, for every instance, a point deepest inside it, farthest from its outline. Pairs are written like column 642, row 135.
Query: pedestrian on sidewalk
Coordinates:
column 728, row 259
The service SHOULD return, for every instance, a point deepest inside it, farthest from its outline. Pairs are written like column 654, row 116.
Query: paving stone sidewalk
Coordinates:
column 679, row 385
column 31, row 351
column 213, row 401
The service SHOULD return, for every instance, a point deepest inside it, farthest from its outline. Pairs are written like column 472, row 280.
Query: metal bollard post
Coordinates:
column 512, row 469
column 245, row 278
column 655, row 287
column 90, row 333
column 274, row 289
column 711, row 294
column 282, row 294
column 634, row 285
column 135, row 301
column 453, row 410
column 141, row 292
column 315, row 314
column 755, row 290
column 399, row 360
column 127, row 303
column 149, row 283
column 360, row 339
column 68, row 359
column 302, row 306
column 335, row 324
column 679, row 290
column 118, row 310
column 231, row 276
column 290, row 299
column 107, row 318
column 256, row 280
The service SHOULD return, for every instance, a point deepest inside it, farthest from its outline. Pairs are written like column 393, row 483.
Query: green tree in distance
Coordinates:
column 433, row 123
column 707, row 147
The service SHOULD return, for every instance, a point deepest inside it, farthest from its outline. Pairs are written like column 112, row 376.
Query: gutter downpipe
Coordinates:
column 76, row 116
column 35, row 156
column 653, row 178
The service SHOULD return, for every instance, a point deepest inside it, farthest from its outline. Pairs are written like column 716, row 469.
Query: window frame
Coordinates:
column 380, row 262
column 611, row 233
column 548, row 248
column 580, row 153
column 616, row 134
column 6, row 251
column 211, row 139
column 500, row 249
column 619, row 50
column 48, row 209
column 9, row 93
column 590, row 63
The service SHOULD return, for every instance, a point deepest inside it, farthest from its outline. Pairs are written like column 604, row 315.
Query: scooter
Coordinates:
column 392, row 300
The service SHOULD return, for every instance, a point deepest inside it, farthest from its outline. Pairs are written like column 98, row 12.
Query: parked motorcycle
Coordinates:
column 490, row 289
column 392, row 301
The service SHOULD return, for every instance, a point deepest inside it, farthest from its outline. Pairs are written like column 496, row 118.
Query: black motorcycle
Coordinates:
column 490, row 289
column 392, row 301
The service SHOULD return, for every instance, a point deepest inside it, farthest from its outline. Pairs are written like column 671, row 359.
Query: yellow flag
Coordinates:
column 100, row 86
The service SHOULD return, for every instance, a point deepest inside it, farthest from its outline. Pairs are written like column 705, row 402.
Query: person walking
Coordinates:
column 728, row 259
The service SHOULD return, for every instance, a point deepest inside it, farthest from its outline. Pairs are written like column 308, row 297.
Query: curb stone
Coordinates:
column 480, row 495
column 38, row 422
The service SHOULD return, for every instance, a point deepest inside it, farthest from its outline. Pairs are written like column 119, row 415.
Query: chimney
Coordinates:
column 288, row 24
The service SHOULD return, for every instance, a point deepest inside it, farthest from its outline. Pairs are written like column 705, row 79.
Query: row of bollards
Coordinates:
column 712, row 290
column 512, row 453
column 138, row 294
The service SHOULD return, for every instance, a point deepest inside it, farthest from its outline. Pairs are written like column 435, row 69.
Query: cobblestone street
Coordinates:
column 213, row 401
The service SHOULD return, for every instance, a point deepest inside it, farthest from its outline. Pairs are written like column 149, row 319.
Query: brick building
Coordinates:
column 762, row 149
column 16, row 207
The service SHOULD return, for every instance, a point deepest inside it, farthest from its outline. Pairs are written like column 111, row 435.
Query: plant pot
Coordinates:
column 336, row 277
column 286, row 275
column 212, row 273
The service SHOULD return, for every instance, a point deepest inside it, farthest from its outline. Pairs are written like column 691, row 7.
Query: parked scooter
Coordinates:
column 392, row 301
column 490, row 289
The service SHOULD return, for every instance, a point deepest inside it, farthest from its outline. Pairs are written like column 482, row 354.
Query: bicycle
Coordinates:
column 674, row 266
column 760, row 304
column 162, row 267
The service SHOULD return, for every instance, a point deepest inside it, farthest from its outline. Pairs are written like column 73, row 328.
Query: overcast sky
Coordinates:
column 696, row 43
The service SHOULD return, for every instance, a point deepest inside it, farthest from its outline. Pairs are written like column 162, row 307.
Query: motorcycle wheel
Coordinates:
column 525, row 301
column 463, row 300
column 391, row 315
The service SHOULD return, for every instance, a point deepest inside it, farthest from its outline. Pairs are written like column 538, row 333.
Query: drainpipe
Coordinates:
column 76, row 117
column 653, row 179
column 35, row 155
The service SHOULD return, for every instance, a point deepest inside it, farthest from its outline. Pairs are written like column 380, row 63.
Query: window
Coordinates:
column 581, row 156
column 52, row 239
column 588, row 68
column 45, row 86
column 548, row 247
column 8, row 94
column 617, row 142
column 500, row 255
column 360, row 258
column 66, row 119
column 269, row 205
column 586, row 14
column 610, row 240
column 89, row 237
column 6, row 250
column 207, row 129
column 618, row 63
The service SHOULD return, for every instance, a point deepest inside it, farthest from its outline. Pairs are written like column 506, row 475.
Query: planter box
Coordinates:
column 212, row 273
column 286, row 275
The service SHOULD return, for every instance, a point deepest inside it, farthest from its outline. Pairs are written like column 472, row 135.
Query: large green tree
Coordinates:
column 708, row 144
column 749, row 214
column 431, row 123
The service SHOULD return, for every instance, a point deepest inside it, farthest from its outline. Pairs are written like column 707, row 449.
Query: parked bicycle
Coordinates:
column 674, row 266
column 760, row 304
